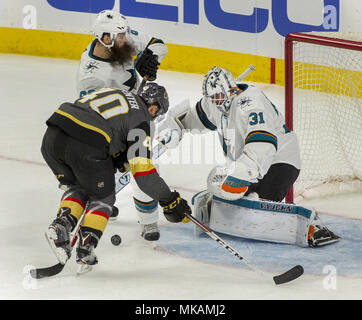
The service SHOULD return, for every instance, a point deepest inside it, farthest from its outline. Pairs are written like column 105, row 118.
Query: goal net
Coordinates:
column 324, row 107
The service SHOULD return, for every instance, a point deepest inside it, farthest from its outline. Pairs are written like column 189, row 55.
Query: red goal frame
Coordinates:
column 288, row 64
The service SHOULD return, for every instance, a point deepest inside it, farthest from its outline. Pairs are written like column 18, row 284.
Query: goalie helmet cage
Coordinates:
column 323, row 105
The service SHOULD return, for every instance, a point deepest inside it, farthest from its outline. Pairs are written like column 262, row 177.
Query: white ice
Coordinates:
column 31, row 89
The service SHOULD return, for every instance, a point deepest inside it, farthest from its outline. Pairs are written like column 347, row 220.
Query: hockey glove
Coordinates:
column 174, row 209
column 120, row 162
column 225, row 183
column 147, row 64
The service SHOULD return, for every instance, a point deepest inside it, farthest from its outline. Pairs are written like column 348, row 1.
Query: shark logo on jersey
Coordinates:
column 90, row 66
column 243, row 101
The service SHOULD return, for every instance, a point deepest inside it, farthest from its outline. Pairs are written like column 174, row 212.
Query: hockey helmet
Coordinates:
column 112, row 22
column 219, row 86
column 152, row 93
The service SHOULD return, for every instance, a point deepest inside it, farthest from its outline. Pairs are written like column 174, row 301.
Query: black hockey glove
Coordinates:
column 147, row 64
column 120, row 162
column 174, row 209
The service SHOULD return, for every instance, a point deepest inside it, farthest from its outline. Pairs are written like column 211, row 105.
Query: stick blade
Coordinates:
column 40, row 273
column 290, row 275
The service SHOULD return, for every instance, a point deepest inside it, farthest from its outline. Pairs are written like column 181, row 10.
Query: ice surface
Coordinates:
column 179, row 267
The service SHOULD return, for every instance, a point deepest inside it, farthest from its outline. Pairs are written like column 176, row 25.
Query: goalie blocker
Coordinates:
column 261, row 220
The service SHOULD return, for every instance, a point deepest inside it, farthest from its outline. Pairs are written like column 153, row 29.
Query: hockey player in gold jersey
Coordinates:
column 84, row 143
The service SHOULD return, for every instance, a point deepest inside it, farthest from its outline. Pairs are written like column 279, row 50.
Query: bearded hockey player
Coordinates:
column 83, row 145
column 263, row 162
column 108, row 63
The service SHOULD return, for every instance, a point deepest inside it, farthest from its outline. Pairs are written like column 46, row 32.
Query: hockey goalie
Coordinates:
column 243, row 197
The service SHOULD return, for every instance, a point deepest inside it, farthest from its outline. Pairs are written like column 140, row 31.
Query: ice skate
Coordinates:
column 320, row 236
column 58, row 236
column 85, row 249
column 150, row 232
column 114, row 213
column 86, row 257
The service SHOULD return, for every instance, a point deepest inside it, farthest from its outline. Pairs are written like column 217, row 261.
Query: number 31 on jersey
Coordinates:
column 256, row 118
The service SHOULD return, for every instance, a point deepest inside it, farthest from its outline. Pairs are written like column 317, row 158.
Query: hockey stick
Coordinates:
column 287, row 276
column 143, row 82
column 124, row 179
column 245, row 73
column 39, row 273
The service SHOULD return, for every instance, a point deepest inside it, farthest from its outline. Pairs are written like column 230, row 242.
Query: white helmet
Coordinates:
column 219, row 86
column 112, row 22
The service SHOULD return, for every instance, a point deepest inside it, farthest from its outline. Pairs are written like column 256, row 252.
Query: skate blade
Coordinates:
column 83, row 268
column 60, row 253
column 325, row 243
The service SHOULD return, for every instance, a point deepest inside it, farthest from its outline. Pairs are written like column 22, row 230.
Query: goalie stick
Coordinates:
column 245, row 73
column 287, row 276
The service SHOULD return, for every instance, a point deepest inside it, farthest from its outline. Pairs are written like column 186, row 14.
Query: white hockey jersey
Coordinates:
column 95, row 73
column 253, row 132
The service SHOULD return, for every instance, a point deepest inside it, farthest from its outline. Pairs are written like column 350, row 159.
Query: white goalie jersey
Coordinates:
column 253, row 132
column 95, row 73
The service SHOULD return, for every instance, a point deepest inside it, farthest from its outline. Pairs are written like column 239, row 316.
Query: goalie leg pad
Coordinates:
column 262, row 220
column 202, row 205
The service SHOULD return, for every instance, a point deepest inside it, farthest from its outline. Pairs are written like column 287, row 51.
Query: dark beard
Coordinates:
column 121, row 55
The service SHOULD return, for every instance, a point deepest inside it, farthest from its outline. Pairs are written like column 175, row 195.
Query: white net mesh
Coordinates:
column 327, row 108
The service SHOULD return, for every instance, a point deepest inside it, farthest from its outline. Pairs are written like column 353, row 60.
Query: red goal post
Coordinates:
column 325, row 72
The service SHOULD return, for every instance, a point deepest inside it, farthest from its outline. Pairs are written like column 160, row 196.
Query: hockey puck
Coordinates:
column 116, row 240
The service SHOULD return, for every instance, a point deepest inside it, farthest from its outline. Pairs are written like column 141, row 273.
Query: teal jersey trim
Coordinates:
column 262, row 136
column 91, row 50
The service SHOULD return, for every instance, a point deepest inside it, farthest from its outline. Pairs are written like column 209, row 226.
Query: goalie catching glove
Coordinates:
column 147, row 64
column 230, row 183
column 175, row 208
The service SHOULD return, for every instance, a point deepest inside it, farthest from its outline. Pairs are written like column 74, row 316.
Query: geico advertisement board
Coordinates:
column 248, row 26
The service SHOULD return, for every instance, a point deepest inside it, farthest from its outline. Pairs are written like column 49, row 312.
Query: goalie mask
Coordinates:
column 219, row 87
column 112, row 22
column 152, row 94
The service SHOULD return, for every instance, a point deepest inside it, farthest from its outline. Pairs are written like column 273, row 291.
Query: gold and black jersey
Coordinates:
column 102, row 118
column 117, row 121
